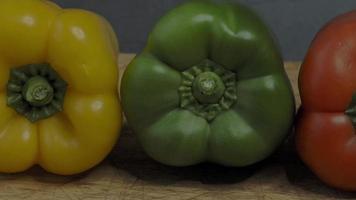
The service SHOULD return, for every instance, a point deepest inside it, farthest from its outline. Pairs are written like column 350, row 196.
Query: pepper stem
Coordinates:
column 208, row 87
column 351, row 110
column 37, row 91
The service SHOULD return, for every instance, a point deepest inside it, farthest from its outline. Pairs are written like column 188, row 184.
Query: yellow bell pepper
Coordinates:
column 58, row 76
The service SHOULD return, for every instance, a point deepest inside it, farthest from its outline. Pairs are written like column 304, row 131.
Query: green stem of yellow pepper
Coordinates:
column 36, row 91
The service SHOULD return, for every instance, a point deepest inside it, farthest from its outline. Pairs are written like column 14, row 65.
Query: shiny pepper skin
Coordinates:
column 82, row 48
column 209, row 86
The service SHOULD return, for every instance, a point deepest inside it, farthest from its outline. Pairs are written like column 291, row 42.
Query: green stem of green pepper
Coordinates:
column 208, row 87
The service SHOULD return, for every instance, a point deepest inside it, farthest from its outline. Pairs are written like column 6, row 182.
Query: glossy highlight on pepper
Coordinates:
column 58, row 78
column 209, row 86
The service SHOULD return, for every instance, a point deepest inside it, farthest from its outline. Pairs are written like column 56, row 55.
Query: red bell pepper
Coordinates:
column 326, row 139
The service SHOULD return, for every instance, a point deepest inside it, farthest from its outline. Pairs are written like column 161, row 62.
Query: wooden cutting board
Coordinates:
column 135, row 176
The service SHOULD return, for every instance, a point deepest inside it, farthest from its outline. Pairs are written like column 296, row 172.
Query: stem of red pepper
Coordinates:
column 351, row 110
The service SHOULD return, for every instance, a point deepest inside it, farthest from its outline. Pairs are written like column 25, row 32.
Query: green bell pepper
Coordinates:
column 209, row 86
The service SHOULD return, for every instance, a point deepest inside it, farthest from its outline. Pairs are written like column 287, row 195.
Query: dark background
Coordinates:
column 295, row 22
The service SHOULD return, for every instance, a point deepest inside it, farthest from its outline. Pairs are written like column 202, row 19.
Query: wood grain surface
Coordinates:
column 128, row 174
